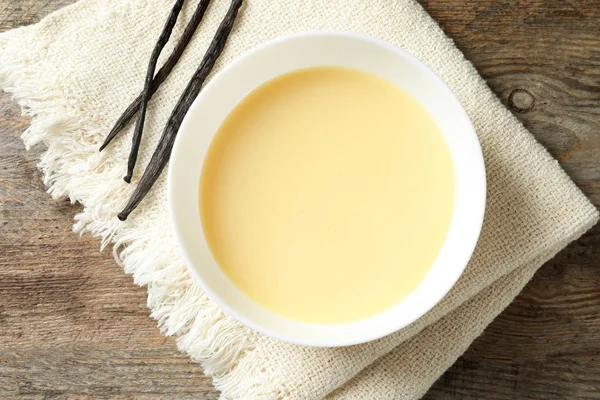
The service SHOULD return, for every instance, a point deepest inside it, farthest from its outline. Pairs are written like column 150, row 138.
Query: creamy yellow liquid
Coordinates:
column 326, row 195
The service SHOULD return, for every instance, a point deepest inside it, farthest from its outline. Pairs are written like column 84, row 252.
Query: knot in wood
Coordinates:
column 521, row 100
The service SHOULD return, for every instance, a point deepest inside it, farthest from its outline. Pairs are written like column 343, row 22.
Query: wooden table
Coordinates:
column 73, row 325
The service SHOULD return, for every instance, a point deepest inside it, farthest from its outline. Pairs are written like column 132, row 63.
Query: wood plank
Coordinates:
column 75, row 326
column 72, row 322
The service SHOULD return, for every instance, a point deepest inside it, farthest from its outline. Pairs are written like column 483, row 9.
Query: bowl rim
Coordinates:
column 478, row 213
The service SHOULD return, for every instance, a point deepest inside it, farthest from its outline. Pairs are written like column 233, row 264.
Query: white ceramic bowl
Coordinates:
column 312, row 49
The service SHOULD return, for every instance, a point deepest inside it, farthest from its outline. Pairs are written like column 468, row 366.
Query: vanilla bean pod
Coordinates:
column 136, row 138
column 165, row 145
column 162, row 73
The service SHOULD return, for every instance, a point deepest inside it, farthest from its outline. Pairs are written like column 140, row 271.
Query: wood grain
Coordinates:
column 73, row 325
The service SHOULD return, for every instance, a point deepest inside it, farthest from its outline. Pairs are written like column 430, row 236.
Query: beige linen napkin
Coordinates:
column 75, row 72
